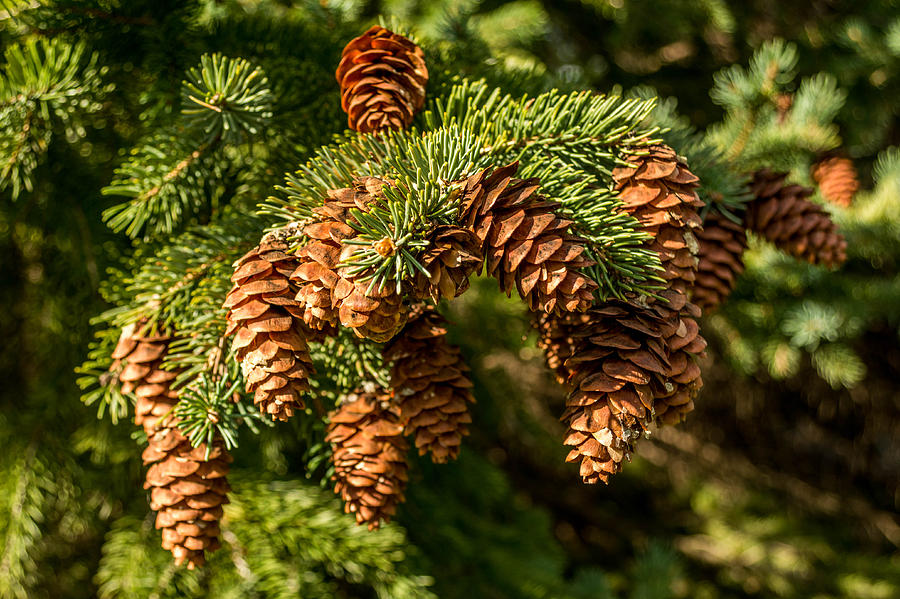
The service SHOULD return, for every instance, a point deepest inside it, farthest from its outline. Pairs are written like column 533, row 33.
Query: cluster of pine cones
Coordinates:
column 627, row 364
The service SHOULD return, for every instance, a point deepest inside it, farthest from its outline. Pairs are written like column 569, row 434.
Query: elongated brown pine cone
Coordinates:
column 377, row 314
column 454, row 254
column 661, row 193
column 557, row 337
column 270, row 342
column 369, row 456
column 186, row 490
column 722, row 246
column 525, row 244
column 837, row 180
column 783, row 214
column 382, row 77
column 428, row 377
column 630, row 365
column 317, row 273
column 138, row 360
column 674, row 395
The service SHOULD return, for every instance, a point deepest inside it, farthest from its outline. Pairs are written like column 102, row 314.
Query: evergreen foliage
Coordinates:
column 191, row 129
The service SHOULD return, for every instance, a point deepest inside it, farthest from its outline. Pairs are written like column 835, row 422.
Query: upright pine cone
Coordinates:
column 454, row 254
column 722, row 245
column 369, row 455
column 782, row 214
column 525, row 244
column 187, row 490
column 557, row 336
column 428, row 377
column 269, row 341
column 836, row 178
column 382, row 77
column 629, row 366
column 661, row 193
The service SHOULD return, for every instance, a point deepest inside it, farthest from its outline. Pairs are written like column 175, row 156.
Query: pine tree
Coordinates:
column 303, row 236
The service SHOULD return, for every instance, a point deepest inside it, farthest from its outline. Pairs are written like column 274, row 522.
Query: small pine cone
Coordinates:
column 454, row 254
column 369, row 456
column 525, row 244
column 630, row 365
column 269, row 342
column 674, row 393
column 783, row 214
column 138, row 360
column 428, row 377
column 316, row 276
column 382, row 77
column 661, row 193
column 378, row 314
column 187, row 490
column 360, row 195
column 722, row 245
column 836, row 178
column 556, row 336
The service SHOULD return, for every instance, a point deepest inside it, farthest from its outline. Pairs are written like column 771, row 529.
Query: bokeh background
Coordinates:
column 784, row 482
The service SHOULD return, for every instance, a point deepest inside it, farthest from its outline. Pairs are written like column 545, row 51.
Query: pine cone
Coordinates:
column 428, row 377
column 382, row 77
column 661, row 193
column 269, row 341
column 378, row 314
column 525, row 244
column 722, row 245
column 138, row 360
column 556, row 336
column 363, row 192
column 187, row 490
column 454, row 254
column 836, row 178
column 674, row 394
column 782, row 214
column 630, row 365
column 316, row 276
column 369, row 455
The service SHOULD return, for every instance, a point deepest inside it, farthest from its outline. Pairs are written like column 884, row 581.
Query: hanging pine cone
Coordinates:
column 674, row 394
column 836, row 178
column 269, row 341
column 556, row 336
column 369, row 455
column 630, row 365
column 428, row 377
column 186, row 489
column 382, row 77
column 316, row 276
column 525, row 244
column 138, row 360
column 661, row 193
column 454, row 254
column 783, row 214
column 377, row 314
column 722, row 245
